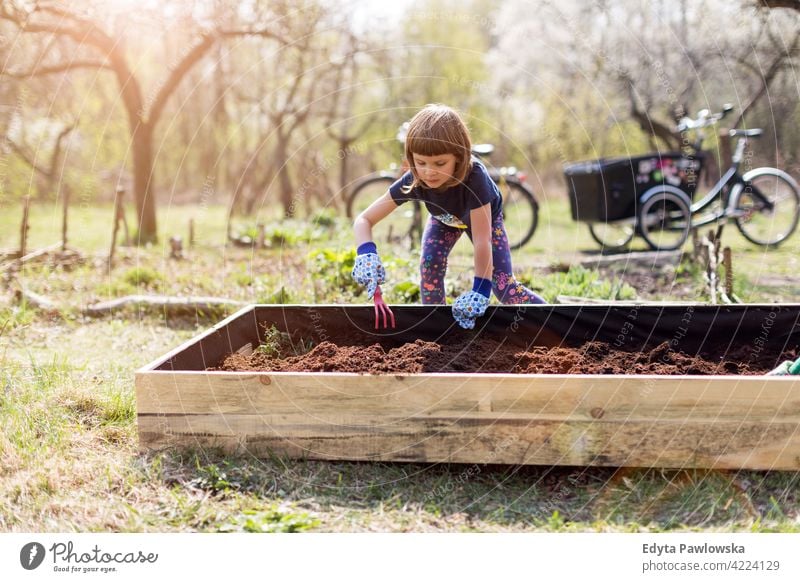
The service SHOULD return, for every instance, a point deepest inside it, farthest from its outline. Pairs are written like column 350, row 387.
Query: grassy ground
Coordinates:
column 68, row 448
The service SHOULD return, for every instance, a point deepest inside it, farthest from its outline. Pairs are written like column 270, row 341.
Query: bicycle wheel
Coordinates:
column 400, row 226
column 612, row 236
column 757, row 222
column 664, row 219
column 520, row 212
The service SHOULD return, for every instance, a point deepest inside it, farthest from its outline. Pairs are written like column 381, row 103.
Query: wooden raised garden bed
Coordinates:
column 725, row 420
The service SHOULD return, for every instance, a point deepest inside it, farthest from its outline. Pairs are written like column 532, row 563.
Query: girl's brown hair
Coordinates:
column 434, row 131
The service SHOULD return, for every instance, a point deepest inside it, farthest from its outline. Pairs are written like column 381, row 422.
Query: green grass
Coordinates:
column 69, row 458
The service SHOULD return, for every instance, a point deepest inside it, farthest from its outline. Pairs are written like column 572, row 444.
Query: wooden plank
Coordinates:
column 566, row 396
column 706, row 327
column 641, row 258
column 170, row 305
column 574, row 300
column 192, row 344
column 503, row 439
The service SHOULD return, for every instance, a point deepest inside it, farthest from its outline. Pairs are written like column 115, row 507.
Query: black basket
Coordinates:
column 609, row 189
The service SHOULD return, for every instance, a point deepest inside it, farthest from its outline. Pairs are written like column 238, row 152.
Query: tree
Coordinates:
column 86, row 31
column 285, row 96
column 343, row 126
column 49, row 172
column 646, row 63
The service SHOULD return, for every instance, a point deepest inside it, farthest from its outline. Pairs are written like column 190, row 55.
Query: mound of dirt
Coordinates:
column 487, row 356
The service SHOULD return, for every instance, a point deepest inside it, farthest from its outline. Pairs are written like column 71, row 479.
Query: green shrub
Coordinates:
column 579, row 282
column 333, row 268
column 406, row 291
column 325, row 217
column 275, row 342
column 142, row 277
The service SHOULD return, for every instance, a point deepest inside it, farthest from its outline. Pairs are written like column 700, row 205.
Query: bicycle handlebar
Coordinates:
column 704, row 118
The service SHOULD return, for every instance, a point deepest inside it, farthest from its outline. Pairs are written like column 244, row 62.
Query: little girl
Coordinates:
column 460, row 197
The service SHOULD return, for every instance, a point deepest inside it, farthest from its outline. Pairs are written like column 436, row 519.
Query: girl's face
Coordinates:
column 435, row 171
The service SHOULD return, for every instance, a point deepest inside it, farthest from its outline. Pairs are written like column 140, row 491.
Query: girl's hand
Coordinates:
column 368, row 269
column 472, row 304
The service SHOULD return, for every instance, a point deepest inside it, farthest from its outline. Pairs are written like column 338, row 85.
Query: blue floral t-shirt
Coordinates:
column 452, row 206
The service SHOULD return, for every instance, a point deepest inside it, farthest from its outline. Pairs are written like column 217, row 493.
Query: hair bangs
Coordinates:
column 438, row 130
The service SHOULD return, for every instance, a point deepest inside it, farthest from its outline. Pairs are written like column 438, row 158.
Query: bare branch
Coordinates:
column 87, row 32
column 50, row 172
column 177, row 74
column 23, row 155
column 55, row 69
column 790, row 4
column 62, row 135
column 780, row 62
column 646, row 122
column 262, row 32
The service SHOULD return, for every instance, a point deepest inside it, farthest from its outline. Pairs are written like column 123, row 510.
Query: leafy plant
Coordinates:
column 334, row 268
column 281, row 297
column 275, row 342
column 287, row 233
column 243, row 278
column 283, row 236
column 212, row 478
column 406, row 291
column 325, row 217
column 15, row 316
column 580, row 282
column 142, row 276
column 272, row 520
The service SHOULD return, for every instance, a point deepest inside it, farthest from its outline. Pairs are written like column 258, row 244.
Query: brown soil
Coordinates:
column 486, row 356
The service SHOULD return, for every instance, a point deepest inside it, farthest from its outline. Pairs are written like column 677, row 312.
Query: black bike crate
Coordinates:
column 608, row 189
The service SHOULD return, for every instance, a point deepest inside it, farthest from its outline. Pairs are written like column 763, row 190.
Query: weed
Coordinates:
column 272, row 520
column 20, row 315
column 334, row 268
column 212, row 478
column 243, row 278
column 580, row 282
column 406, row 291
column 280, row 297
column 275, row 343
column 115, row 288
column 142, row 276
column 556, row 521
column 325, row 217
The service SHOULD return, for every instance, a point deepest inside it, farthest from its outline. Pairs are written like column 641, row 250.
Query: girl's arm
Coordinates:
column 481, row 219
column 376, row 212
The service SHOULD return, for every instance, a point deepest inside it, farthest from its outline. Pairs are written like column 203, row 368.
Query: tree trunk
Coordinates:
column 284, row 179
column 344, row 174
column 143, row 183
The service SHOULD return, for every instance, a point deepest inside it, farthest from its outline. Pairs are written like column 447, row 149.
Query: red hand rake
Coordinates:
column 381, row 309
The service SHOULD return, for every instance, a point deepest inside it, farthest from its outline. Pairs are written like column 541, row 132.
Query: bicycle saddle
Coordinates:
column 482, row 149
column 746, row 132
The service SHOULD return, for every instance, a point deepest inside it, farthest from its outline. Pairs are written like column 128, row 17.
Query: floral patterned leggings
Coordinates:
column 437, row 242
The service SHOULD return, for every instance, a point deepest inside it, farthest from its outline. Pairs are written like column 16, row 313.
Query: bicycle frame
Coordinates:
column 726, row 187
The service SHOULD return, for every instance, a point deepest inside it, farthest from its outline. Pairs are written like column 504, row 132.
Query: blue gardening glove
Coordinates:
column 472, row 304
column 368, row 269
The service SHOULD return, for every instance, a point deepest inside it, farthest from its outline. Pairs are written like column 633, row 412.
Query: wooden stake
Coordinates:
column 124, row 220
column 191, row 232
column 23, row 234
column 64, row 220
column 262, row 236
column 117, row 203
column 727, row 260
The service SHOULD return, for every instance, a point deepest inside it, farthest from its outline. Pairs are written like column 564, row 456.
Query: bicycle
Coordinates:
column 652, row 195
column 520, row 207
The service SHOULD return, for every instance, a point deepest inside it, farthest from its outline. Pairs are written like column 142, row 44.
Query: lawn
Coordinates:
column 68, row 442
